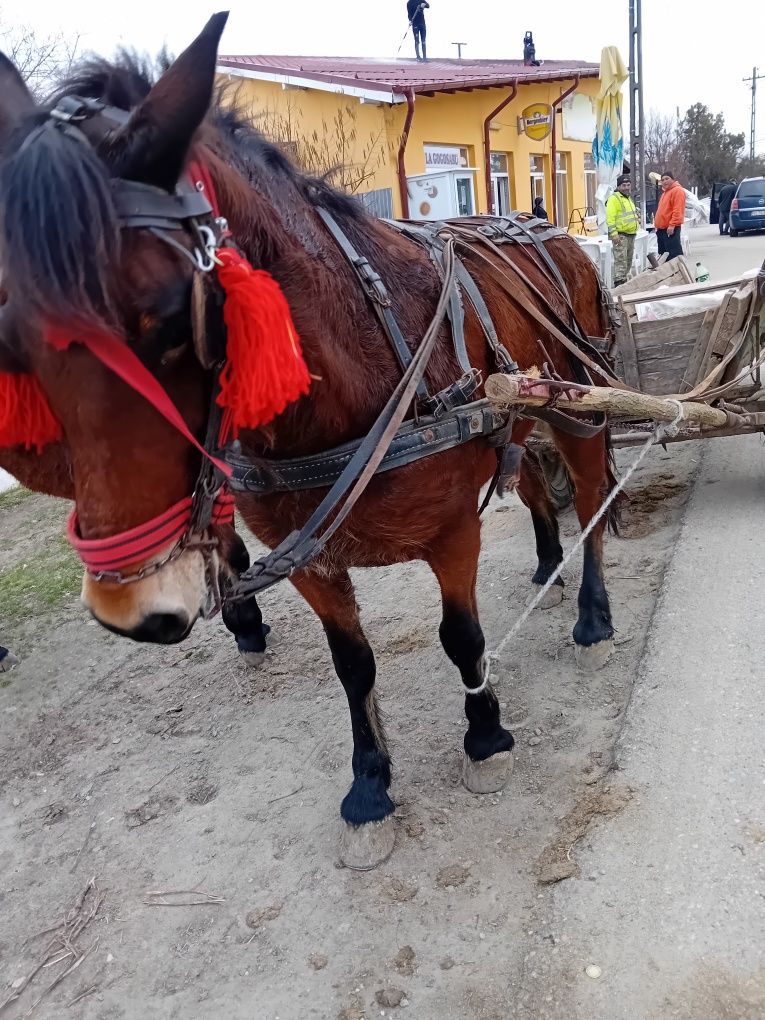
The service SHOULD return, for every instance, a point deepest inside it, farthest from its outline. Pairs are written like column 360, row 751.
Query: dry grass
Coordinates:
column 62, row 949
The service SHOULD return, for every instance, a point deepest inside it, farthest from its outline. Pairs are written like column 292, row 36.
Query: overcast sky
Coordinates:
column 692, row 52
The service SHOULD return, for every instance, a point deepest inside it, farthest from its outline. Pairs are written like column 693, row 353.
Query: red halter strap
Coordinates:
column 126, row 364
column 107, row 555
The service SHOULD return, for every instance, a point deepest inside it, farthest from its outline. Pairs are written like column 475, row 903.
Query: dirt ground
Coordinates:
column 151, row 771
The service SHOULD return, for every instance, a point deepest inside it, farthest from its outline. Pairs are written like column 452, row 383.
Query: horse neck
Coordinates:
column 338, row 334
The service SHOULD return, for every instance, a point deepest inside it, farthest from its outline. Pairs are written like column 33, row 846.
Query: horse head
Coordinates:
column 76, row 283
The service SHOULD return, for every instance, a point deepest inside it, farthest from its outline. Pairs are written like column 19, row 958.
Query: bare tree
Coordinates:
column 333, row 150
column 663, row 146
column 39, row 58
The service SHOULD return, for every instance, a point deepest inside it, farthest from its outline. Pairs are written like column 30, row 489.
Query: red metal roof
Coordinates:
column 435, row 75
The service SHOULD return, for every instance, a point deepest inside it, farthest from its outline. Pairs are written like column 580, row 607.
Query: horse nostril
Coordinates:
column 162, row 628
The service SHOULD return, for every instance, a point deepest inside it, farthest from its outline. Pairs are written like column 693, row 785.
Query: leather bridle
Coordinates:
column 192, row 210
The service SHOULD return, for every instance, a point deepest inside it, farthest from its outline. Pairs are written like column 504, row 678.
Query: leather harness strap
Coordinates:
column 414, row 440
column 376, row 291
column 300, row 547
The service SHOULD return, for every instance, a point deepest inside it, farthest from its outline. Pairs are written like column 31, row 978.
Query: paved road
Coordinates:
column 671, row 903
column 726, row 257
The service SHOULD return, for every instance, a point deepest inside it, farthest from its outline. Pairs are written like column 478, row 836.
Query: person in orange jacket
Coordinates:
column 669, row 217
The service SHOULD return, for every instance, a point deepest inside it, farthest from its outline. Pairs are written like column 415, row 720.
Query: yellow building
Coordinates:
column 433, row 139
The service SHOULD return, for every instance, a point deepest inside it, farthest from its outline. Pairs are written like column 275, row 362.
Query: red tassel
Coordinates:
column 264, row 370
column 25, row 415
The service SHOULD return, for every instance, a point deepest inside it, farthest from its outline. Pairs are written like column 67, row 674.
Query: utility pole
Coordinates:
column 752, row 132
column 459, row 46
column 637, row 155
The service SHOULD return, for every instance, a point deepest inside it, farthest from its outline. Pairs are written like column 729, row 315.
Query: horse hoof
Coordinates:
column 590, row 658
column 488, row 776
column 7, row 662
column 553, row 597
column 363, row 847
column 253, row 659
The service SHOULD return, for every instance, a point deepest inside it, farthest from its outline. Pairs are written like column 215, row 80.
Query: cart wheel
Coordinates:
column 557, row 477
column 732, row 232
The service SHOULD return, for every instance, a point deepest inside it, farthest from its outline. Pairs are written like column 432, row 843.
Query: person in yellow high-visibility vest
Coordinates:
column 622, row 221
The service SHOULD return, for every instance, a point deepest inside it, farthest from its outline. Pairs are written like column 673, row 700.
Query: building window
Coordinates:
column 537, row 172
column 561, row 188
column 590, row 183
column 500, row 183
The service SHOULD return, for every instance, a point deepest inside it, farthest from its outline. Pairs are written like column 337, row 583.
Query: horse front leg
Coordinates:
column 243, row 618
column 488, row 746
column 367, row 810
column 587, row 461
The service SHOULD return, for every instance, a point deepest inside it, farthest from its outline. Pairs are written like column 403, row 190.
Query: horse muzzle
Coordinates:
column 160, row 608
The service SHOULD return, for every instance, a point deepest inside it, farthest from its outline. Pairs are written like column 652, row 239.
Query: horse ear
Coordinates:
column 160, row 131
column 15, row 98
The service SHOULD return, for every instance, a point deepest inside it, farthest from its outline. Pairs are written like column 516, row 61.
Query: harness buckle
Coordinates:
column 372, row 282
column 456, row 395
column 72, row 109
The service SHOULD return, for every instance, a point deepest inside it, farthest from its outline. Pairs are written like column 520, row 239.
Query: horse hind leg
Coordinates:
column 535, row 494
column 488, row 746
column 587, row 462
column 367, row 810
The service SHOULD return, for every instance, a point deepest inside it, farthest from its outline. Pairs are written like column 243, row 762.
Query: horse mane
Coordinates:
column 58, row 217
column 58, row 229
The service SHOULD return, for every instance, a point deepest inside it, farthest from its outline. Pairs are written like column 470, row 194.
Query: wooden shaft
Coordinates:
column 505, row 391
column 638, row 438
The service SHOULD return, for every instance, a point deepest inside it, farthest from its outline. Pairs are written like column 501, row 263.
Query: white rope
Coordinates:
column 660, row 432
column 484, row 683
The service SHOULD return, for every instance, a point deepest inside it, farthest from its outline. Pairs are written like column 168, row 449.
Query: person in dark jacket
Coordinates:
column 724, row 201
column 415, row 11
column 539, row 209
column 530, row 51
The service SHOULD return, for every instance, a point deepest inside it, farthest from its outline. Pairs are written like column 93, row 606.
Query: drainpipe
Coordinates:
column 402, row 189
column 487, row 145
column 554, row 147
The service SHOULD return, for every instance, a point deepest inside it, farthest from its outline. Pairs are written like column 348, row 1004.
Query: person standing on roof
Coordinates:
column 622, row 221
column 539, row 210
column 415, row 11
column 530, row 51
column 670, row 216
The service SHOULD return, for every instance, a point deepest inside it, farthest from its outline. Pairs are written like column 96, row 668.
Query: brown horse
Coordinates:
column 64, row 257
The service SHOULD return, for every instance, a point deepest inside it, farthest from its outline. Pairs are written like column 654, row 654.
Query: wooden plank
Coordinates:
column 707, row 363
column 735, row 314
column 667, row 275
column 625, row 342
column 658, row 332
column 685, row 271
column 662, row 368
column 691, row 373
column 676, row 292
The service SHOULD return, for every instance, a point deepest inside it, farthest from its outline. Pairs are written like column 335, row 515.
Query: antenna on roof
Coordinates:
column 459, row 46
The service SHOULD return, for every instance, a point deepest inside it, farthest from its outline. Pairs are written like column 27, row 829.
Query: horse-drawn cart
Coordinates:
column 688, row 354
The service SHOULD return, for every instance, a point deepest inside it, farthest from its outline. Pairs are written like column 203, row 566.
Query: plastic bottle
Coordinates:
column 702, row 273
